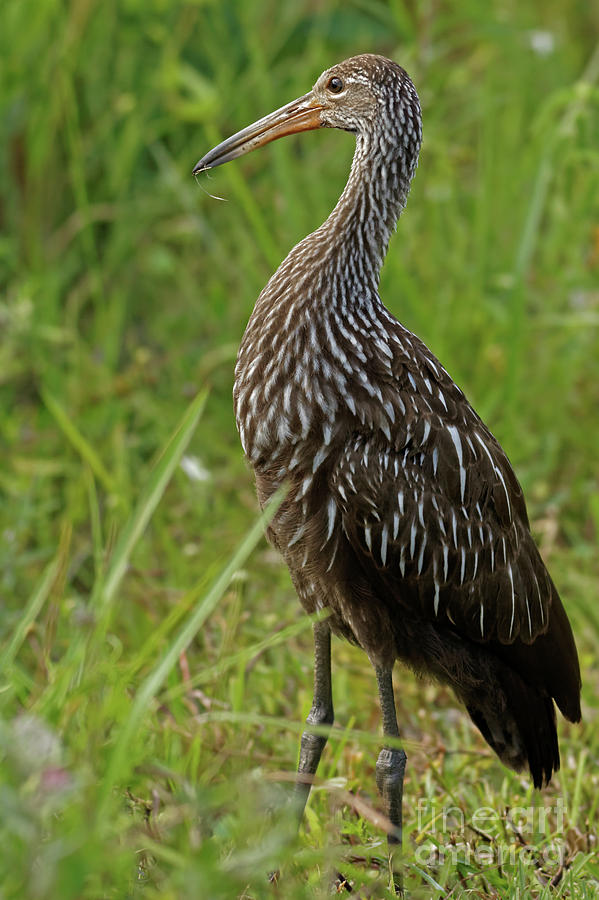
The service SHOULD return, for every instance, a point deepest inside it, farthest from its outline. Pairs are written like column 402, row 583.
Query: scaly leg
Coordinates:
column 321, row 713
column 390, row 768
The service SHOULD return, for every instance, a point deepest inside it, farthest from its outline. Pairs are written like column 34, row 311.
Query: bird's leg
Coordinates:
column 390, row 768
column 312, row 745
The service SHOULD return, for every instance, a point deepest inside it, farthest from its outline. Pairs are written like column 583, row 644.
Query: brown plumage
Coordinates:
column 403, row 518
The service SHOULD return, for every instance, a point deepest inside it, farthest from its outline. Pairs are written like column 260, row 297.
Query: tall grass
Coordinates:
column 154, row 674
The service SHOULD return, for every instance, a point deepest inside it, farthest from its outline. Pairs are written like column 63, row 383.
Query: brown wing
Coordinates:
column 439, row 513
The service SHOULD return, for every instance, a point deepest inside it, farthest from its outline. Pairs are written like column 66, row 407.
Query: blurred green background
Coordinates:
column 125, row 289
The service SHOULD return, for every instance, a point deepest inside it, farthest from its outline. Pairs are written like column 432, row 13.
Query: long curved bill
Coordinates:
column 302, row 114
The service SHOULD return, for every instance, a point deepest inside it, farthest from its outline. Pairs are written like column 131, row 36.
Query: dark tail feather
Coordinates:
column 550, row 663
column 518, row 720
column 519, row 724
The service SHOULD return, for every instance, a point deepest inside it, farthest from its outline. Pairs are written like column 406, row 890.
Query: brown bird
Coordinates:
column 403, row 517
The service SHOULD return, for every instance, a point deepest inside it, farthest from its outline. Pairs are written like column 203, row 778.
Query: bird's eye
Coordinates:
column 335, row 85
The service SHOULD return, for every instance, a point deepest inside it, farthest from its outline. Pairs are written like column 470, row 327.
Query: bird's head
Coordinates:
column 368, row 95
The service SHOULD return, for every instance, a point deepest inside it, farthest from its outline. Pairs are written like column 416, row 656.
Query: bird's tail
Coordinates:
column 518, row 722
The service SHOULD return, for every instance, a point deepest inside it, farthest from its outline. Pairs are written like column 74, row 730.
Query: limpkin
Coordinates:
column 403, row 517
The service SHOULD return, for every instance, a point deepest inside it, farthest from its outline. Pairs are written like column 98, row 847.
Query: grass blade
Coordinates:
column 32, row 610
column 157, row 677
column 149, row 500
column 78, row 441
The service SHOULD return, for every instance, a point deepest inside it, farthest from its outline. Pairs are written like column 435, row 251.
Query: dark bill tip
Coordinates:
column 302, row 114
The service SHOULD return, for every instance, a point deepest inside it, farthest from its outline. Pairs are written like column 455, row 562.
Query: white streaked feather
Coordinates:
column 319, row 457
column 297, row 534
column 331, row 515
column 511, row 574
column 333, row 555
column 412, row 540
column 384, row 540
column 540, row 599
column 421, row 556
column 457, row 443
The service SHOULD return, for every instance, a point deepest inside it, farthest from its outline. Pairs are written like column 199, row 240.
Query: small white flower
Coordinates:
column 542, row 42
column 194, row 469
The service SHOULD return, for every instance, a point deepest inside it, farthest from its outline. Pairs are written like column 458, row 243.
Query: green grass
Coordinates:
column 154, row 673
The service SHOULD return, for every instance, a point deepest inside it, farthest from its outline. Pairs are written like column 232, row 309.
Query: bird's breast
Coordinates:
column 291, row 414
column 300, row 391
column 284, row 421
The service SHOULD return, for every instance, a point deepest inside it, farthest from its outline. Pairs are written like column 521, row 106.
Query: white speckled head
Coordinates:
column 371, row 95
